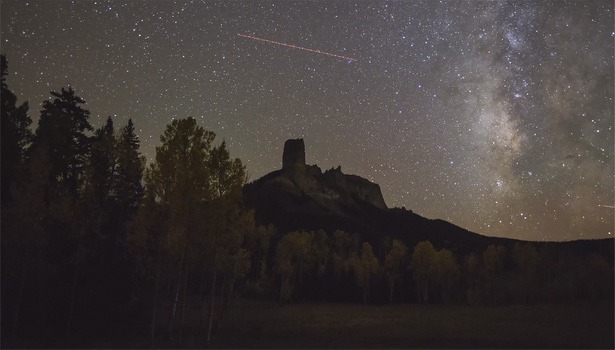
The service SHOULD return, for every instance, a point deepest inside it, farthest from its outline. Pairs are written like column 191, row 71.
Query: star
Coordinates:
column 449, row 106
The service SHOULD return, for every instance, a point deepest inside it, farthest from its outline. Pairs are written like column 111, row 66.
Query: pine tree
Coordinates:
column 62, row 130
column 16, row 135
column 102, row 165
column 61, row 138
column 128, row 188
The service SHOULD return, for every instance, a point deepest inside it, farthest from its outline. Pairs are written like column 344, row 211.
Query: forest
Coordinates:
column 98, row 243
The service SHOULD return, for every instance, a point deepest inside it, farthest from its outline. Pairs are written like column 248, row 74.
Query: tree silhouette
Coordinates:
column 259, row 244
column 100, row 173
column 365, row 267
column 471, row 273
column 103, row 160
column 180, row 182
column 446, row 273
column 393, row 265
column 321, row 252
column 345, row 248
column 61, row 139
column 25, row 247
column 600, row 275
column 62, row 131
column 292, row 258
column 423, row 262
column 526, row 259
column 493, row 263
column 129, row 170
column 126, row 186
column 16, row 135
column 198, row 187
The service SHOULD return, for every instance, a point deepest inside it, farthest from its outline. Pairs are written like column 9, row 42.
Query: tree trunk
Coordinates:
column 22, row 283
column 259, row 264
column 223, row 288
column 224, row 306
column 300, row 273
column 202, row 283
column 282, row 287
column 211, row 304
column 183, row 311
column 170, row 280
column 176, row 300
column 71, row 306
column 152, row 334
column 203, row 303
column 392, row 284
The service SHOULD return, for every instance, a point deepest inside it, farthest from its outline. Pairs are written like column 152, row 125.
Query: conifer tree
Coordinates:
column 16, row 135
column 128, row 187
column 102, row 165
column 62, row 130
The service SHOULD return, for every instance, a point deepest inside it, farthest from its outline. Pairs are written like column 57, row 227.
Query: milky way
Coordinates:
column 496, row 116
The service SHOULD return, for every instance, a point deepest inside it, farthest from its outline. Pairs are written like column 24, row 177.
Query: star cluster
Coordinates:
column 496, row 116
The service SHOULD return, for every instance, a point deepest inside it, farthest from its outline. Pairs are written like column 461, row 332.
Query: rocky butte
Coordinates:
column 303, row 197
column 330, row 186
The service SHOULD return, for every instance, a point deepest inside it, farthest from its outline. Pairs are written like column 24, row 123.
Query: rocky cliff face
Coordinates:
column 333, row 185
column 303, row 197
column 355, row 186
column 301, row 192
column 294, row 154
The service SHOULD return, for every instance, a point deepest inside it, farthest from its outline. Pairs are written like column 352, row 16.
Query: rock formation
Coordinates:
column 303, row 197
column 332, row 191
column 294, row 154
column 332, row 185
column 355, row 186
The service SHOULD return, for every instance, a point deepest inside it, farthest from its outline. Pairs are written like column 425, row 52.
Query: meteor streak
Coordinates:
column 296, row 47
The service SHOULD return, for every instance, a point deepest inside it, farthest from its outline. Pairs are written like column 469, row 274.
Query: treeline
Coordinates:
column 69, row 194
column 341, row 267
column 95, row 244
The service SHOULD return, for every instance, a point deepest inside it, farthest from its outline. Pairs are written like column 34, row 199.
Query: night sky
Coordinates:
column 496, row 116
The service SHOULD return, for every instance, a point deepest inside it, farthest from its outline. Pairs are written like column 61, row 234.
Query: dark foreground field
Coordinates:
column 255, row 325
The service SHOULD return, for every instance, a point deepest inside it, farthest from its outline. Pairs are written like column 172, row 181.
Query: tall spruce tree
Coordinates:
column 16, row 135
column 62, row 131
column 128, row 188
column 102, row 165
column 62, row 138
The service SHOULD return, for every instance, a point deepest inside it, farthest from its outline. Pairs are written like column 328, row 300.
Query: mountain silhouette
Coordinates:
column 303, row 197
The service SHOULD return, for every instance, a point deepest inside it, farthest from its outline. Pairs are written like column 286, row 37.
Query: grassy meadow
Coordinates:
column 320, row 325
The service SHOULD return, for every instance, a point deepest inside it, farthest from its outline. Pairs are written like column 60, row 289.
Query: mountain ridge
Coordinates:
column 303, row 197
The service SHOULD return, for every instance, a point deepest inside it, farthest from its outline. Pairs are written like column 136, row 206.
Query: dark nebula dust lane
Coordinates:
column 496, row 116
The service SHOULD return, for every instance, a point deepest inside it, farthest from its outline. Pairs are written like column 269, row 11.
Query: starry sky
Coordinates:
column 496, row 116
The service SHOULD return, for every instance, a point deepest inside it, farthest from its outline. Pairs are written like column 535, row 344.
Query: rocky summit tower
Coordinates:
column 330, row 190
column 294, row 154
